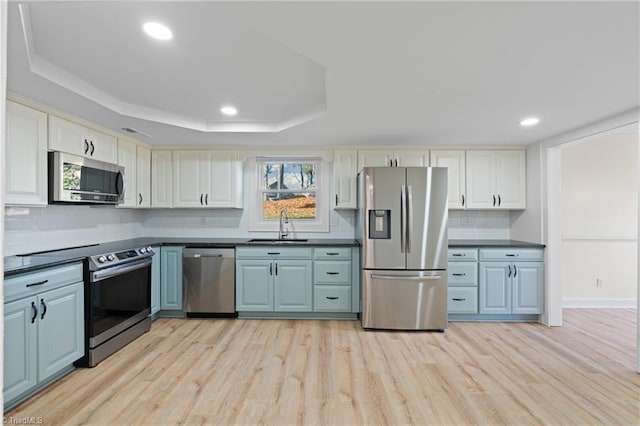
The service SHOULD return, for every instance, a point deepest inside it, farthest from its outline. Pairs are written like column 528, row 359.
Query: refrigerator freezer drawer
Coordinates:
column 408, row 300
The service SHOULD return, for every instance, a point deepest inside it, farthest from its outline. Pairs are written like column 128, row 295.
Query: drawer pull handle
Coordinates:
column 512, row 255
column 35, row 312
column 332, row 253
column 458, row 254
column 273, row 253
column 38, row 283
column 333, row 273
column 459, row 275
column 332, row 298
column 44, row 308
column 459, row 299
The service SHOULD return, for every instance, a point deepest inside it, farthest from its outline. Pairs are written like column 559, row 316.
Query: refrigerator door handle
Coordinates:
column 409, row 217
column 403, row 222
column 403, row 278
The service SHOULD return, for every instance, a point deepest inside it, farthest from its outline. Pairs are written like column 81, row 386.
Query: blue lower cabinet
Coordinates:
column 155, row 282
column 43, row 329
column 293, row 289
column 254, row 285
column 171, row 278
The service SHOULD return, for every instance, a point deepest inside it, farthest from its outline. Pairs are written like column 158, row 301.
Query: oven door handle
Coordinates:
column 118, row 270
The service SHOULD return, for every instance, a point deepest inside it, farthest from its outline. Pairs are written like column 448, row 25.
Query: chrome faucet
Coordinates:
column 284, row 220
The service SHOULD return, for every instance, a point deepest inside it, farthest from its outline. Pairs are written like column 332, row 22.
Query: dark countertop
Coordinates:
column 493, row 244
column 19, row 264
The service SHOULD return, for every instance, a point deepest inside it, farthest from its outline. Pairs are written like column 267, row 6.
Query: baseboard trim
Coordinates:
column 599, row 303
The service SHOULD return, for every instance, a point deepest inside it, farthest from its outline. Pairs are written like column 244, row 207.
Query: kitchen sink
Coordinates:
column 277, row 241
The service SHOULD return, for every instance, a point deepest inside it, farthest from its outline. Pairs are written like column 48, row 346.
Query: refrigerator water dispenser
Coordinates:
column 379, row 224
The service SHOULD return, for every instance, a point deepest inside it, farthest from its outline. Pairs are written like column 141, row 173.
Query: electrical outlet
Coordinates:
column 599, row 283
column 335, row 220
column 465, row 220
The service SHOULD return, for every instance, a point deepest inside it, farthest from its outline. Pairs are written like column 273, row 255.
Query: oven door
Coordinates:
column 120, row 297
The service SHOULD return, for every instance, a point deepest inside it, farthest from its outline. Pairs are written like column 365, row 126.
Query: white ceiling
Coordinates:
column 330, row 73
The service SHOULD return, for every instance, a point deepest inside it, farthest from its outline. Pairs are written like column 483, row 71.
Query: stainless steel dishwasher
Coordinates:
column 209, row 282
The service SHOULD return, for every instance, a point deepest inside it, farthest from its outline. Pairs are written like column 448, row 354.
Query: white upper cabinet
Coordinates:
column 496, row 179
column 207, row 179
column 386, row 158
column 345, row 173
column 161, row 179
column 26, row 156
column 454, row 161
column 127, row 159
column 75, row 139
column 143, row 177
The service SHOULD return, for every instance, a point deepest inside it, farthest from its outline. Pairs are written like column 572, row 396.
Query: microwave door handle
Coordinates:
column 120, row 184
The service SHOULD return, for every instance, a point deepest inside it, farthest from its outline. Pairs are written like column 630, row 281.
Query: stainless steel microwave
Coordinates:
column 74, row 179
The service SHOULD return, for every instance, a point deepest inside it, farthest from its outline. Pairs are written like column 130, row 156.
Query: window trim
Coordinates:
column 322, row 191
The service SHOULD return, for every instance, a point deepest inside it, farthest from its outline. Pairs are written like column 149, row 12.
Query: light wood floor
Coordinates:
column 277, row 372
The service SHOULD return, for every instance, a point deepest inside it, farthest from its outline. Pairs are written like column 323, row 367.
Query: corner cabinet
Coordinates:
column 44, row 329
column 207, row 179
column 345, row 173
column 26, row 156
column 511, row 281
column 73, row 138
column 496, row 179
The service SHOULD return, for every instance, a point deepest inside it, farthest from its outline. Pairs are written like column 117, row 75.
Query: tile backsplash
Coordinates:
column 58, row 226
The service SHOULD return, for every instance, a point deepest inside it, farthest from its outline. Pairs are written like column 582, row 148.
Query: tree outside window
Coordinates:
column 291, row 186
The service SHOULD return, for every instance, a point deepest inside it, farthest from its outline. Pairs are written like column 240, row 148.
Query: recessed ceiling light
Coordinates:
column 157, row 31
column 531, row 121
column 228, row 110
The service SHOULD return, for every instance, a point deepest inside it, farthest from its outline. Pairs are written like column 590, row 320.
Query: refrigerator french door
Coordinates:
column 402, row 229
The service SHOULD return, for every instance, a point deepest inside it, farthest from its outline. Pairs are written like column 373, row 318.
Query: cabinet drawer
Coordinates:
column 44, row 280
column 462, row 254
column 331, row 298
column 462, row 273
column 275, row 252
column 328, row 272
column 462, row 300
column 513, row 255
column 332, row 253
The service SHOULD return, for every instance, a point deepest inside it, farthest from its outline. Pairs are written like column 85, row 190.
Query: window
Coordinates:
column 298, row 183
column 289, row 186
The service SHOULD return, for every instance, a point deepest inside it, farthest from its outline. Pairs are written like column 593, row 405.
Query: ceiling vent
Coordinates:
column 131, row 130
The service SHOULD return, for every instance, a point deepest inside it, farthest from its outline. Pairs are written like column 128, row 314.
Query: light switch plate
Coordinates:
column 335, row 220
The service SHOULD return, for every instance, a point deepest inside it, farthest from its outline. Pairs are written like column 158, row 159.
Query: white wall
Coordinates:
column 599, row 220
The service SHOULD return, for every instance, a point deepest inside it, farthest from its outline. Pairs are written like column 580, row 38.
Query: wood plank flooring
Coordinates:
column 286, row 372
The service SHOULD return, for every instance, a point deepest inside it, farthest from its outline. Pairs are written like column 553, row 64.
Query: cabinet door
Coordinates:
column 510, row 179
column 454, row 161
column 127, row 159
column 223, row 187
column 293, row 288
column 528, row 287
column 374, row 159
column 171, row 278
column 60, row 329
column 254, row 285
column 102, row 147
column 26, row 156
column 411, row 158
column 68, row 137
column 143, row 177
column 155, row 281
column 20, row 347
column 495, row 287
column 345, row 173
column 191, row 171
column 481, row 178
column 161, row 179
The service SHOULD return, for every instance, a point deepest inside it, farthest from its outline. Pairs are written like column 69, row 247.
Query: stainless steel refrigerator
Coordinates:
column 401, row 225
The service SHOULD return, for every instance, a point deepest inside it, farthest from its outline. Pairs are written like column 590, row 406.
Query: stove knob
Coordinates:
column 143, row 250
column 149, row 249
column 111, row 257
column 102, row 259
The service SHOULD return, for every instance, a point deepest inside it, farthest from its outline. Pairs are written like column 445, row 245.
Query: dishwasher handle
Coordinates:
column 195, row 253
